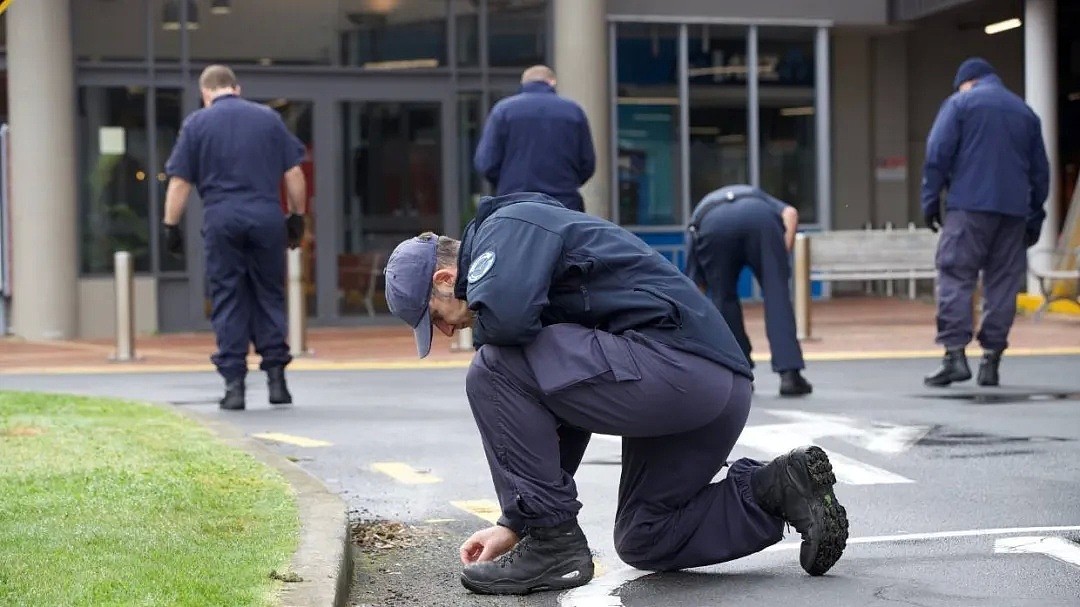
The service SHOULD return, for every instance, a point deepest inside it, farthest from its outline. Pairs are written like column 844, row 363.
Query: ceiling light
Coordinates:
column 1002, row 26
column 807, row 110
column 221, row 7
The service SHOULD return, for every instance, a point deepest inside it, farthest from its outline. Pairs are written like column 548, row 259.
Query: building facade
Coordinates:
column 390, row 96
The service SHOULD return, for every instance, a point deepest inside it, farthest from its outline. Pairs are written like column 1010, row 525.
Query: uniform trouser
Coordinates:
column 762, row 249
column 972, row 241
column 679, row 416
column 245, row 269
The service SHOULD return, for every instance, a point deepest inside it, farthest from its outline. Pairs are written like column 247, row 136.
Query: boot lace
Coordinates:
column 520, row 548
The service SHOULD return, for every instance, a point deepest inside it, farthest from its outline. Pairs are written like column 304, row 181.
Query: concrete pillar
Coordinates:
column 41, row 94
column 581, row 68
column 1040, row 90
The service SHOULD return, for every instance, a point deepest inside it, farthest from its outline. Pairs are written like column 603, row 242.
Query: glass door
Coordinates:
column 393, row 189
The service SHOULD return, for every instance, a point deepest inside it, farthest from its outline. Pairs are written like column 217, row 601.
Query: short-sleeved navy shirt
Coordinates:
column 235, row 150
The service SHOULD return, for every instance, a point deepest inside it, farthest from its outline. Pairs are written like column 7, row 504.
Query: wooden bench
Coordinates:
column 873, row 255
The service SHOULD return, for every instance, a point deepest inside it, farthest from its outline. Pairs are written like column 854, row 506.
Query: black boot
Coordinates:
column 234, row 395
column 275, row 384
column 797, row 487
column 547, row 558
column 988, row 368
column 792, row 383
column 954, row 367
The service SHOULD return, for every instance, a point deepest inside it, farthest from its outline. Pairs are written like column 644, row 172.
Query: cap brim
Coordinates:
column 422, row 332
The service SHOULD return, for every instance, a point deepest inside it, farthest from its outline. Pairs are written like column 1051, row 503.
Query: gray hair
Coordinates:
column 446, row 250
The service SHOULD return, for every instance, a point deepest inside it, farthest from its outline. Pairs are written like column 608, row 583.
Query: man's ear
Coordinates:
column 446, row 277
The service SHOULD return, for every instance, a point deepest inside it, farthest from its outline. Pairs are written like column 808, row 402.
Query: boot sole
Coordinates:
column 828, row 510
column 507, row 587
column 945, row 382
column 280, row 401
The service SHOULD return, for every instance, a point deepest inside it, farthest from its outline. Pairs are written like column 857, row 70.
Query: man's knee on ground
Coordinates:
column 641, row 546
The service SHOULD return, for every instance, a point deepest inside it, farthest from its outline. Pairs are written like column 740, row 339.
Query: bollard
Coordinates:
column 123, row 270
column 462, row 341
column 294, row 287
column 802, row 287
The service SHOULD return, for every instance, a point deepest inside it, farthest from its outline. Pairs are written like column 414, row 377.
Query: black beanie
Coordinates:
column 972, row 69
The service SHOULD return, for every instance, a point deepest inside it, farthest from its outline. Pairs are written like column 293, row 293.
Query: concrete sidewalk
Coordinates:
column 848, row 328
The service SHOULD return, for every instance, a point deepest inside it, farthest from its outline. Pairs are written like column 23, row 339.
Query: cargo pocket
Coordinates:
column 563, row 356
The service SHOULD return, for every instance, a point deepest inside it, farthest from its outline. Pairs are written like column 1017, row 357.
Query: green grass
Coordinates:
column 105, row 502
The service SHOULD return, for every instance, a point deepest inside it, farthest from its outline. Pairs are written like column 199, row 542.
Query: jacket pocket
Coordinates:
column 565, row 355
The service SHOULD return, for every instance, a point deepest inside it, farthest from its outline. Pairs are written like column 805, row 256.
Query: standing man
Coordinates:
column 537, row 141
column 235, row 152
column 986, row 147
column 739, row 226
column 581, row 327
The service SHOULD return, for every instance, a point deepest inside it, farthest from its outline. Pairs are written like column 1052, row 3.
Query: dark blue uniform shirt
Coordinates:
column 986, row 147
column 527, row 262
column 235, row 150
column 537, row 141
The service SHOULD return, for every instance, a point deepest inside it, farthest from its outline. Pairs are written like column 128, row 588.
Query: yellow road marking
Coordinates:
column 484, row 509
column 404, row 473
column 4, row 6
column 462, row 363
column 299, row 441
column 436, row 521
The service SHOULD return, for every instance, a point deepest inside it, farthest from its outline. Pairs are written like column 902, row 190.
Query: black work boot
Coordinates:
column 234, row 395
column 547, row 558
column 275, row 384
column 792, row 383
column 797, row 487
column 954, row 367
column 988, row 368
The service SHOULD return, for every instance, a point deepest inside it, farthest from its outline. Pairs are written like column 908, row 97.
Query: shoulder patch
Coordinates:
column 481, row 266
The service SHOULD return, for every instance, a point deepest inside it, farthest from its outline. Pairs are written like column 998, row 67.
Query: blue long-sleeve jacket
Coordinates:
column 527, row 262
column 986, row 148
column 537, row 141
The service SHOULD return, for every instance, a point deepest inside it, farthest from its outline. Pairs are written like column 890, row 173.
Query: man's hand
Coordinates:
column 294, row 227
column 487, row 544
column 933, row 220
column 174, row 239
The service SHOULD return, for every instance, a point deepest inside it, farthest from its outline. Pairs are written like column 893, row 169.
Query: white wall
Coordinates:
column 97, row 307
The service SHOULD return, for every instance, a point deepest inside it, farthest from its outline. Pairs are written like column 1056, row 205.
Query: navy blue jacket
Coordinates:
column 539, row 263
column 537, row 141
column 986, row 147
column 235, row 150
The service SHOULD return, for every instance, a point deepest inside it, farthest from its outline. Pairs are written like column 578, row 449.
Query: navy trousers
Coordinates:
column 749, row 233
column 971, row 242
column 679, row 416
column 245, row 269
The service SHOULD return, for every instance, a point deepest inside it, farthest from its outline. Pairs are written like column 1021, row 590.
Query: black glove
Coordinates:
column 294, row 228
column 1031, row 237
column 174, row 239
column 933, row 220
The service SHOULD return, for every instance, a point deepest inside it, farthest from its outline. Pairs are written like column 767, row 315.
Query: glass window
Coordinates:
column 788, row 129
column 168, row 118
column 517, row 33
column 393, row 34
column 648, row 125
column 115, row 201
column 470, row 184
column 719, row 149
column 109, row 31
column 393, row 176
column 467, row 26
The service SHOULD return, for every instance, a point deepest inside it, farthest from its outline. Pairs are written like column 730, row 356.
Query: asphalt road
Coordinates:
column 938, row 484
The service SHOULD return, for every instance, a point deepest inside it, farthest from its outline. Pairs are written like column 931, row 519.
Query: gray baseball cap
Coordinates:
column 409, row 274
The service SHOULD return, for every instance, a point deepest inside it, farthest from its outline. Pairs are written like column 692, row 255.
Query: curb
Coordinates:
column 323, row 557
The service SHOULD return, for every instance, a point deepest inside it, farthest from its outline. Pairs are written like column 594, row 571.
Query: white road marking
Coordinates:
column 1054, row 547
column 604, row 591
column 776, row 439
column 880, row 437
